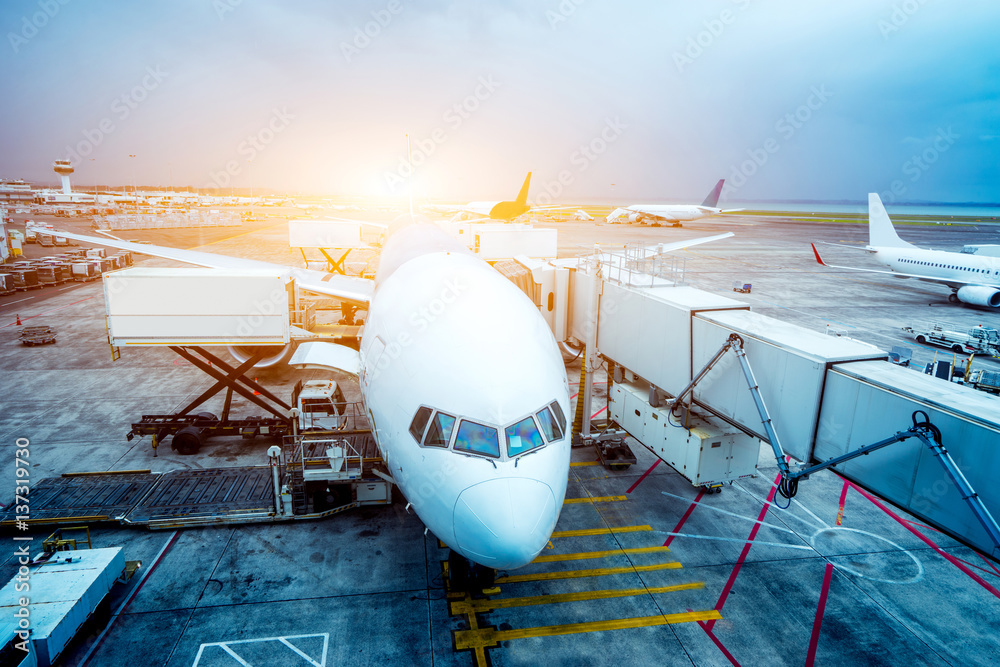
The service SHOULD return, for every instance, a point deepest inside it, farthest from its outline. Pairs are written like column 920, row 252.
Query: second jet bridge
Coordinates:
column 826, row 396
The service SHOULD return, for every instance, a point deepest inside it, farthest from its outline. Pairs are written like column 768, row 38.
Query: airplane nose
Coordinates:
column 504, row 523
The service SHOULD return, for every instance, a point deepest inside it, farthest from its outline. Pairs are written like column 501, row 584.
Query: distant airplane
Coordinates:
column 973, row 279
column 673, row 214
column 462, row 381
column 495, row 210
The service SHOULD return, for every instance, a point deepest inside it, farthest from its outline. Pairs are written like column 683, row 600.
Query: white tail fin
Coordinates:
column 880, row 230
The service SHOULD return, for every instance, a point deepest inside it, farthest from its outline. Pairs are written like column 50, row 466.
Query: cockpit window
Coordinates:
column 523, row 437
column 439, row 432
column 478, row 439
column 560, row 417
column 550, row 427
column 419, row 423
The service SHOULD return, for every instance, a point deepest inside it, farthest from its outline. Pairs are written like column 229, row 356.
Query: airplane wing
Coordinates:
column 346, row 288
column 895, row 274
column 661, row 248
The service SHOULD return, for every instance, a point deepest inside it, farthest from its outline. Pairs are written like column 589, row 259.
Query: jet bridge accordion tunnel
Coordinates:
column 825, row 397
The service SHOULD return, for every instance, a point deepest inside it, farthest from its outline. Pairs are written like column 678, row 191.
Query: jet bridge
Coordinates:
column 811, row 396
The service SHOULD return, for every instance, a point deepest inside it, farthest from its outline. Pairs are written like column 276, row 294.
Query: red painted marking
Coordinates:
column 820, row 608
column 594, row 416
column 989, row 562
column 684, row 518
column 725, row 651
column 29, row 317
column 152, row 567
column 746, row 550
column 639, row 481
column 954, row 561
column 843, row 500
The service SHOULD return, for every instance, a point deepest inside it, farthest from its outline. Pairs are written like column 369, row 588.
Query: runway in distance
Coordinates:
column 973, row 279
column 671, row 214
column 462, row 381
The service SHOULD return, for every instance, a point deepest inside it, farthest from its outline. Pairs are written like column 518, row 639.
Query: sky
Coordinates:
column 623, row 102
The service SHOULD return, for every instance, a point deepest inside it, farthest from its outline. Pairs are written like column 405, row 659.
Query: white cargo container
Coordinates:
column 789, row 363
column 503, row 242
column 869, row 401
column 65, row 591
column 648, row 330
column 325, row 234
column 708, row 452
column 160, row 306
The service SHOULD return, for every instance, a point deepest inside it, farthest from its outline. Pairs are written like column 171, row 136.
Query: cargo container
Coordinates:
column 159, row 306
column 95, row 253
column 6, row 284
column 84, row 271
column 325, row 234
column 25, row 278
column 67, row 589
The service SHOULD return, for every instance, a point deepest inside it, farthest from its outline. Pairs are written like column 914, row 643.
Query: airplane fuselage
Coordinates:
column 451, row 339
column 943, row 265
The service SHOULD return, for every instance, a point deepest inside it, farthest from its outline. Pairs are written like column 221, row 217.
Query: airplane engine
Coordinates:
column 273, row 354
column 636, row 218
column 979, row 296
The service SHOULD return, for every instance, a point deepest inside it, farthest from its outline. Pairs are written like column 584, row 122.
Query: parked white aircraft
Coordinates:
column 496, row 210
column 463, row 383
column 673, row 214
column 973, row 279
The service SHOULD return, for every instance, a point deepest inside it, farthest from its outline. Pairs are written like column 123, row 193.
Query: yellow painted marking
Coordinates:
column 579, row 574
column 586, row 532
column 600, row 499
column 586, row 555
column 471, row 606
column 580, row 464
column 489, row 637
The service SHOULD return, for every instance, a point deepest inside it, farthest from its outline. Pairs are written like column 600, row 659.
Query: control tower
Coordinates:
column 64, row 169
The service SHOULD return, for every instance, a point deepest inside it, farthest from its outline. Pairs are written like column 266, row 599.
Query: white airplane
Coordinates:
column 659, row 214
column 973, row 279
column 463, row 383
column 495, row 210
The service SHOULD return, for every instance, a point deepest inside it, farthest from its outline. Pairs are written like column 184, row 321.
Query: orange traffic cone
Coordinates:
column 255, row 392
column 18, row 320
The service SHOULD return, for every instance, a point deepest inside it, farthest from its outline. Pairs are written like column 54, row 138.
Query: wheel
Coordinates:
column 206, row 417
column 957, row 349
column 187, row 441
column 952, row 298
column 922, row 340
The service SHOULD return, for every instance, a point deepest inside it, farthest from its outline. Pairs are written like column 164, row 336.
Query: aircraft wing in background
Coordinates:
column 345, row 288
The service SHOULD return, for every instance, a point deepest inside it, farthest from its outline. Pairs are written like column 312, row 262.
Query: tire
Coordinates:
column 187, row 441
column 952, row 298
column 922, row 340
column 957, row 349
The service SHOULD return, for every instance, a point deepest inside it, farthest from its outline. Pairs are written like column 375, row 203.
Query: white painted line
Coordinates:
column 11, row 303
column 733, row 514
column 233, row 654
column 736, row 539
column 225, row 646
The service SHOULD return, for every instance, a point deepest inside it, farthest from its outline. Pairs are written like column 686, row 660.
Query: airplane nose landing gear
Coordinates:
column 467, row 576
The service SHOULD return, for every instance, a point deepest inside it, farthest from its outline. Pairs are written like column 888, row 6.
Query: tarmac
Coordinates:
column 643, row 567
